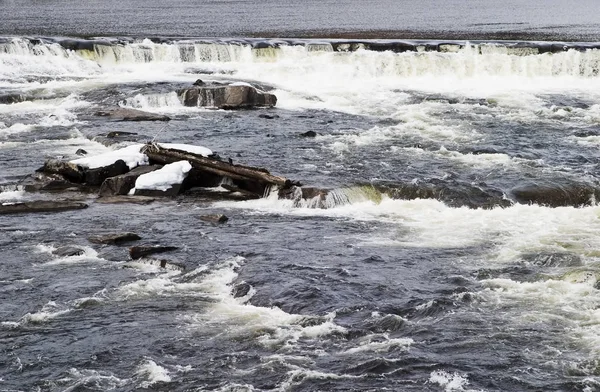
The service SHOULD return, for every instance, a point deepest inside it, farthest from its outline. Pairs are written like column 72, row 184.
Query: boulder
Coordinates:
column 137, row 252
column 113, row 239
column 122, row 184
column 67, row 170
column 97, row 176
column 40, row 206
column 236, row 96
column 47, row 182
column 575, row 195
column 125, row 114
column 309, row 134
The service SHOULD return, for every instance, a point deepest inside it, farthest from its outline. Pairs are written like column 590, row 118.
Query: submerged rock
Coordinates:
column 67, row 251
column 557, row 259
column 137, row 252
column 216, row 218
column 124, row 114
column 40, row 206
column 234, row 96
column 112, row 239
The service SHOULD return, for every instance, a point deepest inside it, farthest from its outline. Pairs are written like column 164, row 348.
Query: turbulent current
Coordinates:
column 457, row 250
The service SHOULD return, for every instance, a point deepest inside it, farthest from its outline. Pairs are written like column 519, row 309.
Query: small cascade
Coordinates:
column 325, row 199
column 319, row 47
column 153, row 101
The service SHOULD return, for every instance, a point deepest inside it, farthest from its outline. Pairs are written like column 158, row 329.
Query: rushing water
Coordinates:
column 458, row 248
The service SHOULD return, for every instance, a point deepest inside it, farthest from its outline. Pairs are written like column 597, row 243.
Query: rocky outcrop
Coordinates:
column 234, row 96
column 125, row 114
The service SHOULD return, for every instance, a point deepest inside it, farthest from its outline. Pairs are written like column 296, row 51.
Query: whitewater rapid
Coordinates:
column 424, row 265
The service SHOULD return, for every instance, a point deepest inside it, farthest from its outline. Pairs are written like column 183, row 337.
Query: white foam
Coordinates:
column 163, row 178
column 449, row 381
column 48, row 312
column 371, row 345
column 269, row 326
column 131, row 155
column 151, row 373
column 82, row 378
column 11, row 196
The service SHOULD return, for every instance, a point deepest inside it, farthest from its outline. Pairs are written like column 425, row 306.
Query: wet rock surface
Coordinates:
column 114, row 239
column 227, row 97
column 137, row 252
column 41, row 206
column 124, row 114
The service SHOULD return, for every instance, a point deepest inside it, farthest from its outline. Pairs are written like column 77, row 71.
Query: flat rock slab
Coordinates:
column 113, row 239
column 123, row 114
column 40, row 206
column 137, row 252
column 125, row 199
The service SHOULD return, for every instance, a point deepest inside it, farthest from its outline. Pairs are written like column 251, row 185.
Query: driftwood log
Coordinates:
column 242, row 173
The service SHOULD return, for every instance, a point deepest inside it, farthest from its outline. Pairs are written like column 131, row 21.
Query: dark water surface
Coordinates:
column 460, row 19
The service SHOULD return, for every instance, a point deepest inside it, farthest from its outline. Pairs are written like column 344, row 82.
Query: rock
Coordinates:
column 46, row 182
column 122, row 184
column 171, row 192
column 268, row 116
column 216, row 218
column 309, row 134
column 227, row 97
column 97, row 176
column 574, row 195
column 69, row 171
column 40, row 206
column 81, row 151
column 116, row 137
column 137, row 252
column 67, row 251
column 125, row 199
column 199, row 82
column 124, row 114
column 6, row 99
column 240, row 290
column 115, row 134
column 112, row 239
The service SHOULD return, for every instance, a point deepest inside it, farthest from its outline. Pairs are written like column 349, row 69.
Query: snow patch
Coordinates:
column 163, row 178
column 131, row 155
column 199, row 150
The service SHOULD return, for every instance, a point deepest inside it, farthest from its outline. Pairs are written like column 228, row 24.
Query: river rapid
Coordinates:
column 458, row 248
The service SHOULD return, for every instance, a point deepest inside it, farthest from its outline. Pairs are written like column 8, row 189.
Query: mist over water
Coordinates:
column 457, row 248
